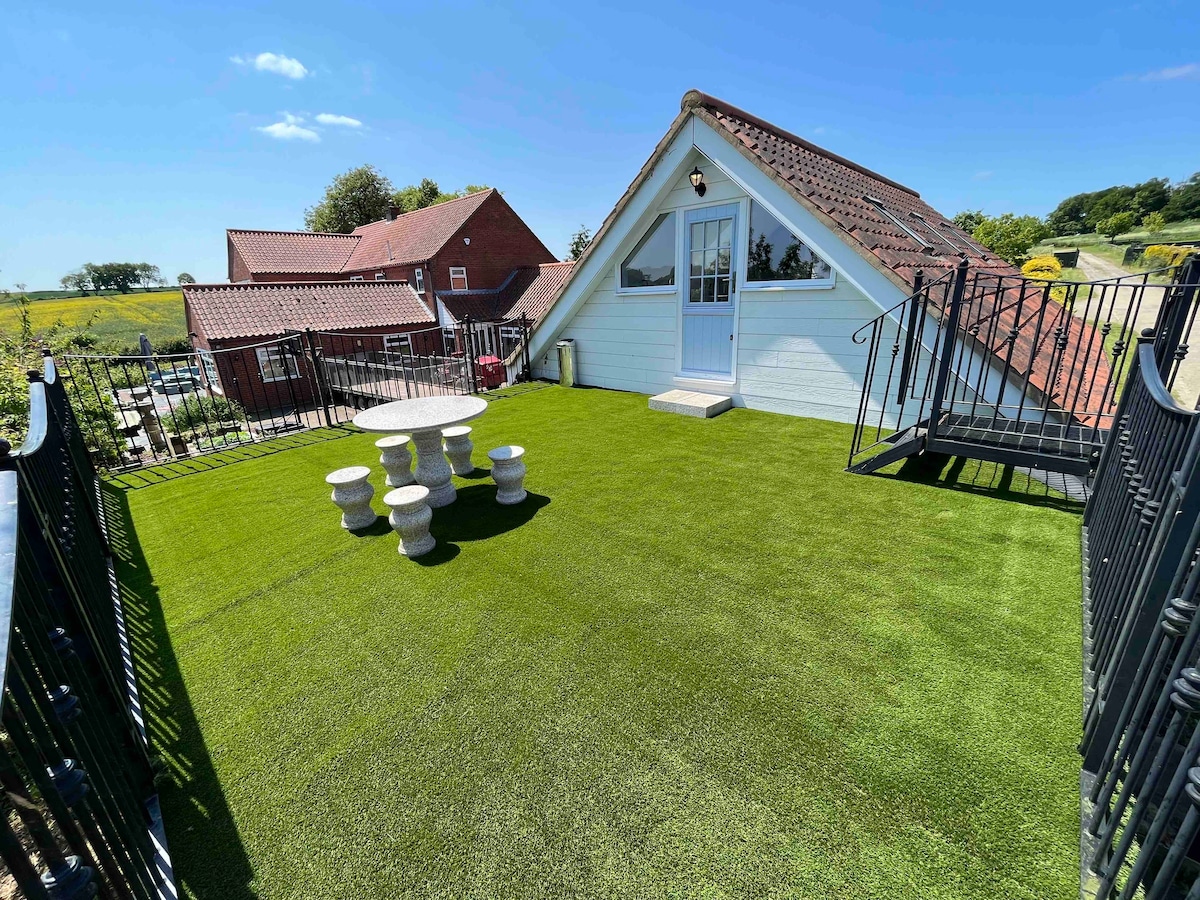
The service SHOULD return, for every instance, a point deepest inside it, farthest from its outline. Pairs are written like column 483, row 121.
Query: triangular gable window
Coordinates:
column 775, row 254
column 652, row 262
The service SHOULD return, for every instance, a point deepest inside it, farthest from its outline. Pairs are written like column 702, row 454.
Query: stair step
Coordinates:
column 691, row 403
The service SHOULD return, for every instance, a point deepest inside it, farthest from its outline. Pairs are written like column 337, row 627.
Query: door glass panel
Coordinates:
column 722, row 290
column 711, row 261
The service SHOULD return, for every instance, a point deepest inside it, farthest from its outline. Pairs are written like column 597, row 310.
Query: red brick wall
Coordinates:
column 241, row 377
column 500, row 242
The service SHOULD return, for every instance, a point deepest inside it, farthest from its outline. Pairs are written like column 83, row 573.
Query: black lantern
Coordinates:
column 697, row 179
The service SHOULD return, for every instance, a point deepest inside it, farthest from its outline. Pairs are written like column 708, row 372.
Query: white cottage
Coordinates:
column 740, row 262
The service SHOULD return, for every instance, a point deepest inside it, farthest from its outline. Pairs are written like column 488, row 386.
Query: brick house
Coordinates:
column 404, row 284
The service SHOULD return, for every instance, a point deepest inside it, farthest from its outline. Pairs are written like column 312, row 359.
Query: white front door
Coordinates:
column 709, row 291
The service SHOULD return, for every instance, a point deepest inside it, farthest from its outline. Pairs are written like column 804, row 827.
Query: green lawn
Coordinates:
column 114, row 319
column 699, row 661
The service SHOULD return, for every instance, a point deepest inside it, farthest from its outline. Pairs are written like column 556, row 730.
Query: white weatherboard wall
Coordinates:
column 793, row 353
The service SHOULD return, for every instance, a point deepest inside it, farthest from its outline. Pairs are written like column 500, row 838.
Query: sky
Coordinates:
column 141, row 131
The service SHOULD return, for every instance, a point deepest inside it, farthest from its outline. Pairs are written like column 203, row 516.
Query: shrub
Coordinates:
column 1162, row 256
column 1154, row 223
column 1045, row 268
column 194, row 412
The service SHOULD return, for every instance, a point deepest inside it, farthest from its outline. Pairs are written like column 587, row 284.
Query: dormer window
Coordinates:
column 381, row 276
column 458, row 278
column 356, row 278
column 419, row 278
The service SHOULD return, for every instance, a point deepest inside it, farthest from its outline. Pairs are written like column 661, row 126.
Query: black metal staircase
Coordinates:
column 1015, row 370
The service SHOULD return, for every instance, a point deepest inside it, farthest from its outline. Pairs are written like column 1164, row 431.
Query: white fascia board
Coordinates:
column 599, row 261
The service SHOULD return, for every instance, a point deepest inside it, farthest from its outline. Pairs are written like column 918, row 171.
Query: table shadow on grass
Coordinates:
column 209, row 860
column 473, row 516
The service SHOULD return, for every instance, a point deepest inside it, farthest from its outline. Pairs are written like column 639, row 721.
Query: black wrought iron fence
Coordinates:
column 1014, row 369
column 1141, row 741
column 143, row 410
column 78, row 786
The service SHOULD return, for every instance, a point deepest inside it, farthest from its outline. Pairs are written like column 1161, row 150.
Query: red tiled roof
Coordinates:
column 840, row 189
column 535, row 289
column 226, row 311
column 410, row 238
column 528, row 291
column 290, row 252
column 413, row 237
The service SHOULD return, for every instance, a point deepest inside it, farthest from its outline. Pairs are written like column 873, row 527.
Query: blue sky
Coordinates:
column 140, row 131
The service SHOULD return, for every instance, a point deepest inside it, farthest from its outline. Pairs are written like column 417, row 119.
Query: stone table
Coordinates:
column 424, row 418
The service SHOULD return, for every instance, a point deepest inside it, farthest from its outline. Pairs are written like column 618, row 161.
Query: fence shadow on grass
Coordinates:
column 987, row 479
column 209, row 860
column 139, row 478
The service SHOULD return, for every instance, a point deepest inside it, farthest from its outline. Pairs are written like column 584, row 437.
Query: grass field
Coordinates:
column 699, row 661
column 116, row 319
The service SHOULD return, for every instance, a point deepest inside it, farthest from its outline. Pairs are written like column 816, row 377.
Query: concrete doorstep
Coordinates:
column 691, row 403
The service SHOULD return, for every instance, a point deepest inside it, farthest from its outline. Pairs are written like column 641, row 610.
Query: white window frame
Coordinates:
column 403, row 342
column 356, row 278
column 798, row 284
column 208, row 363
column 381, row 276
column 659, row 289
column 287, row 364
column 419, row 278
column 462, row 273
column 450, row 337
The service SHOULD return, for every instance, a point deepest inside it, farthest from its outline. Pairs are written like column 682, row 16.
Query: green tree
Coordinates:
column 354, row 198
column 148, row 275
column 1117, row 223
column 113, row 276
column 1185, row 200
column 1154, row 223
column 427, row 193
column 969, row 219
column 1010, row 236
column 78, row 280
column 184, row 278
column 579, row 242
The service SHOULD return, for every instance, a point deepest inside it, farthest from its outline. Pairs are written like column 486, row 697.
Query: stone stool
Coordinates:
column 458, row 449
column 352, row 494
column 508, row 471
column 410, row 518
column 396, row 460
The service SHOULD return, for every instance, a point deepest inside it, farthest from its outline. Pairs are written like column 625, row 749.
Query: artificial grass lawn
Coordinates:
column 117, row 318
column 700, row 661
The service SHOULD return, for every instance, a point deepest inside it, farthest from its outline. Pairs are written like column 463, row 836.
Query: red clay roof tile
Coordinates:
column 291, row 252
column 226, row 311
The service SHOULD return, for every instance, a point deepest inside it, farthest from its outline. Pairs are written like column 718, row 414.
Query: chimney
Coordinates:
column 391, row 213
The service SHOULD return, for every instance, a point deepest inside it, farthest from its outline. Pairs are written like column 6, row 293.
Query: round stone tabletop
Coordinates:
column 421, row 414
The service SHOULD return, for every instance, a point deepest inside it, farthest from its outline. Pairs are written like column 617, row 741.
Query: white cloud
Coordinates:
column 984, row 175
column 290, row 129
column 1191, row 70
column 331, row 119
column 274, row 62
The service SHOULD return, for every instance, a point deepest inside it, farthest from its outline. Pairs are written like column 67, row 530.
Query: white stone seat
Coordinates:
column 457, row 446
column 410, row 517
column 508, row 471
column 352, row 494
column 395, row 459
